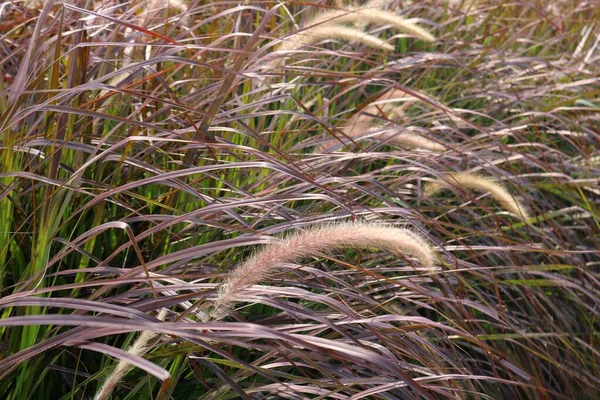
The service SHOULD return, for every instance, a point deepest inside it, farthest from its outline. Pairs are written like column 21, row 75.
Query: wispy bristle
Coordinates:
column 329, row 25
column 388, row 104
column 317, row 34
column 313, row 242
column 156, row 6
column 412, row 140
column 467, row 180
column 138, row 348
column 374, row 16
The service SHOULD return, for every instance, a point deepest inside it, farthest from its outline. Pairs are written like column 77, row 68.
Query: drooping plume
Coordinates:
column 330, row 25
column 467, row 180
column 319, row 33
column 138, row 348
column 372, row 16
column 313, row 242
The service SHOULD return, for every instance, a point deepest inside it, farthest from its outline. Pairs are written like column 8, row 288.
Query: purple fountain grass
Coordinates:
column 406, row 140
column 373, row 15
column 363, row 123
column 313, row 242
column 468, row 180
column 412, row 140
column 138, row 348
column 319, row 33
column 387, row 103
column 330, row 25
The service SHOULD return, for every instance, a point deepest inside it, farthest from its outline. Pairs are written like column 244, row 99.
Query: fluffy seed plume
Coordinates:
column 361, row 124
column 374, row 16
column 388, row 104
column 157, row 6
column 467, row 180
column 319, row 33
column 405, row 140
column 330, row 25
column 412, row 140
column 313, row 242
column 138, row 348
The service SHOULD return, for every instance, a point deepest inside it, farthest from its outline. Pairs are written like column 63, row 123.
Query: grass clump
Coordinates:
column 130, row 211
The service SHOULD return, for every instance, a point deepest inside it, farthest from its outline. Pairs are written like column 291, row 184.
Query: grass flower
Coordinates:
column 157, row 6
column 362, row 123
column 411, row 140
column 313, row 242
column 467, row 180
column 387, row 103
column 138, row 348
column 330, row 25
column 406, row 139
column 374, row 16
column 349, row 34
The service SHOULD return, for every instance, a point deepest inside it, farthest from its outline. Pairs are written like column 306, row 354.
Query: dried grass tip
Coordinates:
column 330, row 25
column 313, row 242
column 467, row 180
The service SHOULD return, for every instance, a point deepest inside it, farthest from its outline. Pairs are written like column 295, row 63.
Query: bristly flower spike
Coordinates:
column 313, row 242
column 468, row 180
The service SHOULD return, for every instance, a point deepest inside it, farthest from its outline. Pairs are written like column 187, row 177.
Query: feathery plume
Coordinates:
column 375, row 16
column 377, row 4
column 406, row 140
column 387, row 104
column 319, row 33
column 138, row 348
column 412, row 140
column 329, row 25
column 313, row 242
column 156, row 6
column 467, row 180
column 361, row 123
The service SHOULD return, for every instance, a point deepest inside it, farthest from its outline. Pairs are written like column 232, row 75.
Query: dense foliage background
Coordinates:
column 148, row 147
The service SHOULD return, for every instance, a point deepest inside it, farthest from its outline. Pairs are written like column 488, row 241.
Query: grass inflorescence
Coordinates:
column 261, row 199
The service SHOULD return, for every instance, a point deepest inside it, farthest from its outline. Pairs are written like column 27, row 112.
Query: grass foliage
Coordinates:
column 147, row 149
